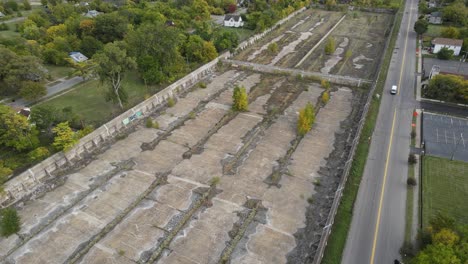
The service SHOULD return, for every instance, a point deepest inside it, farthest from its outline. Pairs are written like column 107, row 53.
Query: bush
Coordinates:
column 10, row 222
column 3, row 27
column 325, row 84
column 306, row 119
column 412, row 159
column 413, row 134
column 273, row 48
column 171, row 102
column 38, row 154
column 202, row 85
column 152, row 124
column 240, row 99
column 348, row 54
column 411, row 182
column 330, row 46
column 445, row 54
column 214, row 181
column 325, row 97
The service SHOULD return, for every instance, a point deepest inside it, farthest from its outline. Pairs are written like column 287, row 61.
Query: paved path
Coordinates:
column 51, row 91
column 378, row 225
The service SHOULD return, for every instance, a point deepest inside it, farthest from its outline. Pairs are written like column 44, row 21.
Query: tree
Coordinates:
column 110, row 27
column 10, row 222
column 306, row 119
column 15, row 131
column 456, row 13
column 421, row 26
column 445, row 54
column 330, row 46
column 437, row 254
column 226, row 41
column 446, row 237
column 240, row 99
column 198, row 50
column 449, row 88
column 64, row 137
column 45, row 117
column 82, row 69
column 26, row 5
column 32, row 91
column 112, row 63
column 450, row 32
column 231, row 8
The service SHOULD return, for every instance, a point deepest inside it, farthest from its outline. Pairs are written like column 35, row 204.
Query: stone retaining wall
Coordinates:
column 29, row 181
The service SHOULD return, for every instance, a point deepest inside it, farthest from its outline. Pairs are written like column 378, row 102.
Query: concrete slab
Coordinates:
column 204, row 240
column 266, row 246
column 162, row 159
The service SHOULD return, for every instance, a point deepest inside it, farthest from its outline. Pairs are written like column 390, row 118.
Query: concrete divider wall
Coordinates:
column 30, row 181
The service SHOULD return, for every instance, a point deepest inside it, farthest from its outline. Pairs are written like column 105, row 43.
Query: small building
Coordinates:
column 432, row 4
column 78, row 56
column 435, row 18
column 233, row 21
column 452, row 44
column 92, row 13
column 2, row 15
column 26, row 112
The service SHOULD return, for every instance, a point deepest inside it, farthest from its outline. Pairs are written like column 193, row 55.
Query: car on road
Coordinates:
column 394, row 89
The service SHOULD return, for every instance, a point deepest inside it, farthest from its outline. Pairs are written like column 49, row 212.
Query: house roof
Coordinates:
column 447, row 41
column 25, row 112
column 78, row 56
column 436, row 14
column 236, row 18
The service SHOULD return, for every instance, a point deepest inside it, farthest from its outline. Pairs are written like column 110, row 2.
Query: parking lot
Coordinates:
column 445, row 136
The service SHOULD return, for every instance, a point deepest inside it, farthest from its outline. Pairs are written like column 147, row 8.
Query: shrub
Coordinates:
column 149, row 123
column 273, row 48
column 202, row 85
column 411, row 181
column 10, row 222
column 192, row 115
column 240, row 99
column 3, row 27
column 413, row 134
column 38, row 154
column 310, row 200
column 325, row 97
column 412, row 159
column 445, row 54
column 214, row 181
column 306, row 119
column 330, row 46
column 171, row 102
column 325, row 84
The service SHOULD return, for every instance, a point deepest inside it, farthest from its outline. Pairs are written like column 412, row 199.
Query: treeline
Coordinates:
column 449, row 88
column 167, row 39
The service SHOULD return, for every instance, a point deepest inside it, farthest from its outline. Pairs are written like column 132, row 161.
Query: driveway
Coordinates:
column 450, row 66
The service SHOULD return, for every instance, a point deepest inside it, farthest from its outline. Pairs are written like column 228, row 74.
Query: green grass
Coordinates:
column 445, row 188
column 57, row 72
column 243, row 33
column 342, row 223
column 88, row 100
column 434, row 30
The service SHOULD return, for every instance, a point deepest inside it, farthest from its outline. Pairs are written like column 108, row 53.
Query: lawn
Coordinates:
column 88, row 99
column 445, row 189
column 434, row 30
column 243, row 33
column 57, row 72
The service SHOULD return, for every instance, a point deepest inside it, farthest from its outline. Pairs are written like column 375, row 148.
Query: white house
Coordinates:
column 92, row 13
column 452, row 44
column 233, row 21
column 78, row 56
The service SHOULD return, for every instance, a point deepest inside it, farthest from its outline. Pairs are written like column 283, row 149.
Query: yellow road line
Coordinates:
column 376, row 232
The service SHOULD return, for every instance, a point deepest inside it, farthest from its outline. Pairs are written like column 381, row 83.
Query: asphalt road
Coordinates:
column 51, row 91
column 378, row 224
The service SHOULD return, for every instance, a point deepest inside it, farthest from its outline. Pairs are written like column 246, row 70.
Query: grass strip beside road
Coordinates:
column 342, row 223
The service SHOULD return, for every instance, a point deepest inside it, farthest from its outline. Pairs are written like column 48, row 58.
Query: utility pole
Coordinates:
column 462, row 60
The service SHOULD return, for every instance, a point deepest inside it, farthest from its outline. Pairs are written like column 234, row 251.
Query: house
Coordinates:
column 92, row 14
column 452, row 44
column 233, row 21
column 26, row 112
column 435, row 18
column 2, row 15
column 78, row 56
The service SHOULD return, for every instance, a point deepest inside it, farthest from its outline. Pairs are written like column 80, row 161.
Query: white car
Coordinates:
column 394, row 89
